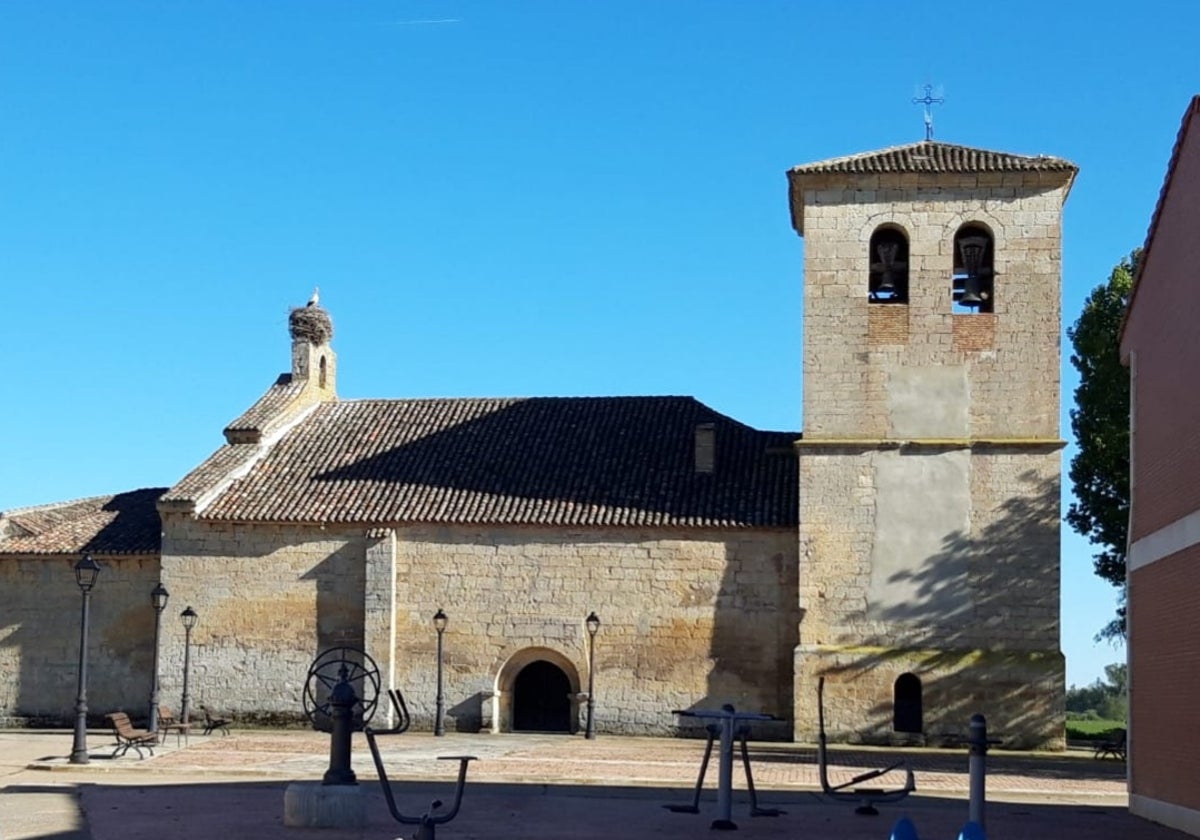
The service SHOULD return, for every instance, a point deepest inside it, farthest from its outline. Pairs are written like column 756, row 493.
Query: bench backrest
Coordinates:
column 120, row 722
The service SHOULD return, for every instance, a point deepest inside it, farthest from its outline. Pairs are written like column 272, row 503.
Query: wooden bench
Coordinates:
column 212, row 723
column 1114, row 746
column 168, row 723
column 127, row 736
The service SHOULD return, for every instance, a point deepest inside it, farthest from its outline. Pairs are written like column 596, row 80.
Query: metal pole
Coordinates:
column 439, row 724
column 186, row 700
column 977, row 768
column 341, row 709
column 590, row 730
column 79, row 750
column 153, row 727
column 724, row 818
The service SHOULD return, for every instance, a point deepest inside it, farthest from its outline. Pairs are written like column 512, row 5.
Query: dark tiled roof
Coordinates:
column 623, row 461
column 932, row 156
column 250, row 427
column 126, row 523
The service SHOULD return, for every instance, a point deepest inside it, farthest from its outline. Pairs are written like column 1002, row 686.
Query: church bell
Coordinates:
column 972, row 248
column 886, row 267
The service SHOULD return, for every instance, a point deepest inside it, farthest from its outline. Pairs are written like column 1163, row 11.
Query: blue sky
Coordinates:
column 499, row 199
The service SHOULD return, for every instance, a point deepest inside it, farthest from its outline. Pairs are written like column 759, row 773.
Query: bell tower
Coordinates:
column 930, row 461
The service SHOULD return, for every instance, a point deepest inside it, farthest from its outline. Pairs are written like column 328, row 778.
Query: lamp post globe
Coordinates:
column 440, row 619
column 87, row 571
column 593, row 627
column 188, row 617
column 158, row 600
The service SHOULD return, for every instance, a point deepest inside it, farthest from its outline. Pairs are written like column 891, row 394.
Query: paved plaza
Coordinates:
column 533, row 786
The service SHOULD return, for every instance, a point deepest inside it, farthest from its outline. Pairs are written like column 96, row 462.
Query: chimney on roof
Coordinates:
column 706, row 448
column 313, row 359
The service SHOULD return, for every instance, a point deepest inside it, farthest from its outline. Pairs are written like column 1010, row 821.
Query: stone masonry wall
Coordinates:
column 980, row 605
column 1011, row 357
column 925, row 547
column 1005, row 565
column 40, row 611
column 688, row 619
column 270, row 598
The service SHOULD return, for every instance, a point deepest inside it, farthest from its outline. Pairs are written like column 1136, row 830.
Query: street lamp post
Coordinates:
column 86, row 572
column 439, row 724
column 158, row 600
column 593, row 627
column 188, row 617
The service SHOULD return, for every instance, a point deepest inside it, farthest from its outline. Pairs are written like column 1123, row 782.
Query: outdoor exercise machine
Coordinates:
column 851, row 791
column 341, row 694
column 428, row 822
column 726, row 728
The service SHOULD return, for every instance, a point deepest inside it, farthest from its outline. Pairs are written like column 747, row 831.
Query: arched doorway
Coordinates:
column 541, row 699
column 555, row 680
column 906, row 704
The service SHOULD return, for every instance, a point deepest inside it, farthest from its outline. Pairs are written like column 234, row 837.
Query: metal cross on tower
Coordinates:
column 927, row 100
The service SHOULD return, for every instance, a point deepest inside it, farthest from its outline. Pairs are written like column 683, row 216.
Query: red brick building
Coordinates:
column 1161, row 345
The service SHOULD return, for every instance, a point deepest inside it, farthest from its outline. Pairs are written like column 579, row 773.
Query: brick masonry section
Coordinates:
column 1164, row 649
column 1163, row 336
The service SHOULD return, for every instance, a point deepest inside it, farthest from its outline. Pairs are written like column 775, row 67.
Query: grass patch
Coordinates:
column 1092, row 730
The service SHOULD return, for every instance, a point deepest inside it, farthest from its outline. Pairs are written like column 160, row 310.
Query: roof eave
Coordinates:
column 1189, row 117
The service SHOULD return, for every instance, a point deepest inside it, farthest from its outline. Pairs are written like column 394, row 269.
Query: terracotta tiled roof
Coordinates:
column 126, row 523
column 932, row 156
column 204, row 478
column 249, row 428
column 623, row 461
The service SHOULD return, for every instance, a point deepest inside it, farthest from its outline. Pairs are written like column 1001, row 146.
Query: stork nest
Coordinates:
column 311, row 323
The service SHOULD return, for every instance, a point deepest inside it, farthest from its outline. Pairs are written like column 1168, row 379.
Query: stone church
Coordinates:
column 905, row 547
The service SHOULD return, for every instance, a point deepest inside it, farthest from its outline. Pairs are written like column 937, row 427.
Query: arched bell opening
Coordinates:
column 537, row 690
column 888, row 261
column 972, row 287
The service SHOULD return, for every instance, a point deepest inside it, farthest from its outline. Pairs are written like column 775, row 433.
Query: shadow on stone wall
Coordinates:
column 754, row 635
column 467, row 716
column 40, row 612
column 43, row 640
column 970, row 659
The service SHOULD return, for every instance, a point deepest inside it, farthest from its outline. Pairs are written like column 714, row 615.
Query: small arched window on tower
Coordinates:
column 906, row 704
column 972, row 287
column 321, row 374
column 888, row 260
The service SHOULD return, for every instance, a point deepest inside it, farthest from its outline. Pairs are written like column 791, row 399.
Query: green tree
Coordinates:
column 1117, row 675
column 1100, row 421
column 1104, row 698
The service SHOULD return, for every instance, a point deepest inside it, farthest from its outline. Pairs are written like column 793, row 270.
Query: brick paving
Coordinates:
column 639, row 761
column 534, row 787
